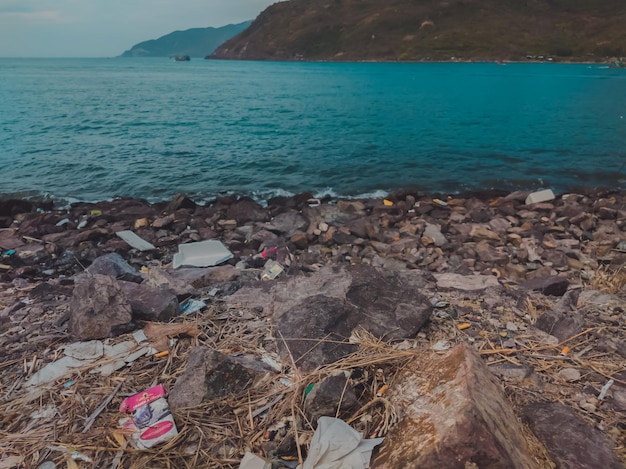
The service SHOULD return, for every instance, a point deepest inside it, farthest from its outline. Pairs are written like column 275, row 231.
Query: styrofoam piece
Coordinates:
column 201, row 254
column 541, row 196
column 135, row 241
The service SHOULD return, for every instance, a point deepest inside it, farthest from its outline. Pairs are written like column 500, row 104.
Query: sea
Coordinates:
column 96, row 129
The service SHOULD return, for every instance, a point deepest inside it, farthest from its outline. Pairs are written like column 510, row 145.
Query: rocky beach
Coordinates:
column 476, row 330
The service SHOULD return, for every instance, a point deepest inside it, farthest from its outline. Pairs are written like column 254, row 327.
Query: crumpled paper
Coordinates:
column 336, row 445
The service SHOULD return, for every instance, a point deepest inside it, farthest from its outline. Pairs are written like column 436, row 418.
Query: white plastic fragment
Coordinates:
column 605, row 389
column 540, row 196
column 336, row 445
column 252, row 461
column 135, row 241
column 202, row 254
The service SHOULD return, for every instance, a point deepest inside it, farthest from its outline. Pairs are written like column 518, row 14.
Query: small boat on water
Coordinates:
column 617, row 63
column 182, row 58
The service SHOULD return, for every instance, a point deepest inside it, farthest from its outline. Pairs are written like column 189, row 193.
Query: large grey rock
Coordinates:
column 175, row 282
column 315, row 329
column 315, row 332
column 98, row 308
column 329, row 396
column 209, row 375
column 454, row 416
column 288, row 223
column 564, row 320
column 553, row 285
column 336, row 300
column 570, row 441
column 115, row 266
column 148, row 303
column 245, row 210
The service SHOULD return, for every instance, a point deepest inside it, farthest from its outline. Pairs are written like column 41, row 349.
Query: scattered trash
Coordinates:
column 158, row 335
column 266, row 253
column 191, row 306
column 465, row 325
column 387, row 203
column 314, row 202
column 565, row 350
column 440, row 202
column 162, row 354
column 82, row 224
column 605, row 389
column 252, row 461
column 8, row 253
column 47, row 465
column 442, row 345
column 337, row 445
column 152, row 422
column 540, row 196
column 65, row 221
column 96, row 213
column 202, row 254
column 135, row 241
column 383, row 389
column 272, row 270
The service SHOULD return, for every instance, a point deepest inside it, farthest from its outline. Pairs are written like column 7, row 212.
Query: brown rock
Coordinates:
column 331, row 394
column 479, row 233
column 300, row 240
column 98, row 308
column 570, row 441
column 209, row 375
column 488, row 253
column 455, row 416
column 148, row 303
column 245, row 210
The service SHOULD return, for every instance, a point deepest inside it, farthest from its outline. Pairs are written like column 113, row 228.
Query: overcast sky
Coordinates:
column 106, row 28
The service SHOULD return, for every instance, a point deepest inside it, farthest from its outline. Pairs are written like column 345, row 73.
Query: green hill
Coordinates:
column 196, row 42
column 576, row 30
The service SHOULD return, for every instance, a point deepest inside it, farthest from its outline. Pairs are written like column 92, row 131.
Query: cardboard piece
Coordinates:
column 202, row 254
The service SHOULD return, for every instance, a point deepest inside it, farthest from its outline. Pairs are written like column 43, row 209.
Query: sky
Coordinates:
column 106, row 28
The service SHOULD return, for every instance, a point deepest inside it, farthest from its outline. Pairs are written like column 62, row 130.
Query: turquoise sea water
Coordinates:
column 92, row 129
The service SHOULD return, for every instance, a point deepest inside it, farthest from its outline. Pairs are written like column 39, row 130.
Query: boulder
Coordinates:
column 570, row 441
column 564, row 320
column 288, row 223
column 114, row 266
column 553, row 285
column 454, row 416
column 314, row 332
column 434, row 232
column 175, row 282
column 148, row 303
column 330, row 395
column 245, row 210
column 98, row 308
column 180, row 201
column 209, row 375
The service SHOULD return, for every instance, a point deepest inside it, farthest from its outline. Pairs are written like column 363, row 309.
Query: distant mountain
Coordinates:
column 413, row 30
column 196, row 42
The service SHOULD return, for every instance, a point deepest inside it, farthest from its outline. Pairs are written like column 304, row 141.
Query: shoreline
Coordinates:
column 505, row 281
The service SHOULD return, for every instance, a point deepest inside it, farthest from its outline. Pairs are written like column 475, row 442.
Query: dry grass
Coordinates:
column 611, row 280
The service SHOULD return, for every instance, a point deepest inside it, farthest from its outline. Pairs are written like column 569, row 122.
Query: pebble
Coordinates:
column 569, row 374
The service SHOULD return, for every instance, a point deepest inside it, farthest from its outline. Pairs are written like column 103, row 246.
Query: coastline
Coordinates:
column 488, row 271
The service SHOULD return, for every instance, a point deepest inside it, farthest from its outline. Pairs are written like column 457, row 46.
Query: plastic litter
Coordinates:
column 336, row 445
column 272, row 270
column 135, row 241
column 387, row 203
column 252, row 461
column 605, row 389
column 202, row 254
column 152, row 422
column 540, row 196
column 191, row 306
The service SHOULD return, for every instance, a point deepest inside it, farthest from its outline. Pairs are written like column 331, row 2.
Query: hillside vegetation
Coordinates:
column 196, row 42
column 576, row 30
